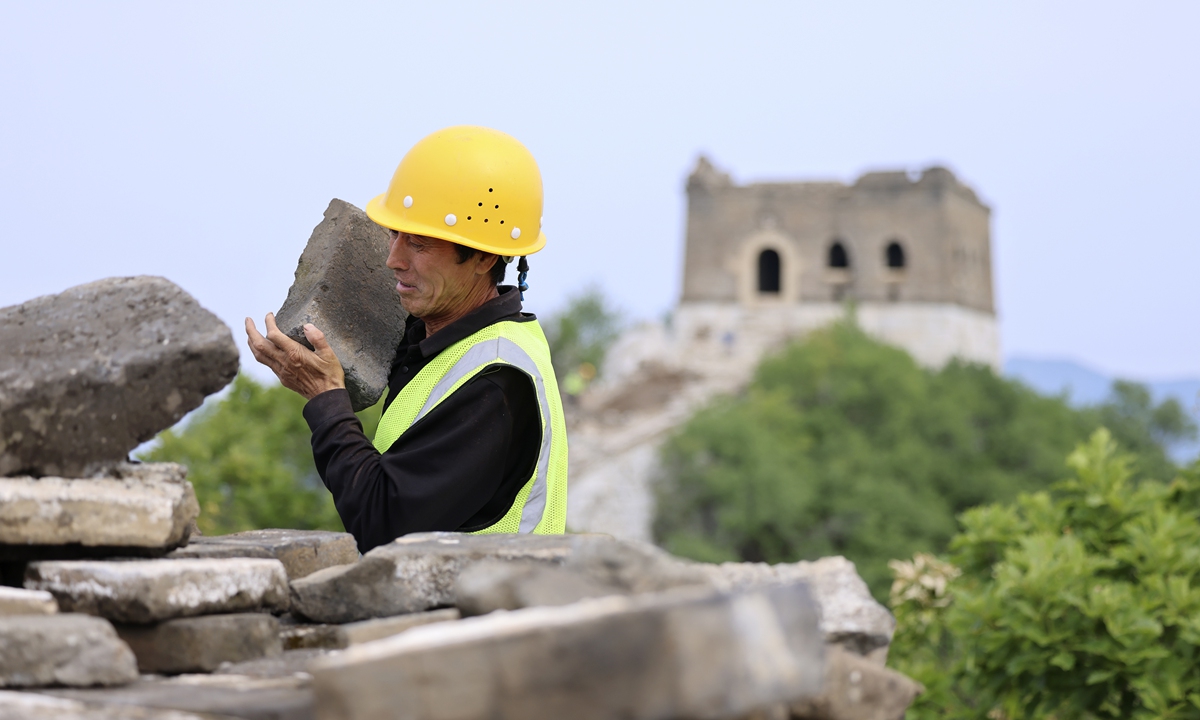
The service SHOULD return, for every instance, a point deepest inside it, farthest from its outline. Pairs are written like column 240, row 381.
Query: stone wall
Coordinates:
column 939, row 223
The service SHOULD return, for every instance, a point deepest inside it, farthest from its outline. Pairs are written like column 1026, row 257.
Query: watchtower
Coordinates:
column 913, row 253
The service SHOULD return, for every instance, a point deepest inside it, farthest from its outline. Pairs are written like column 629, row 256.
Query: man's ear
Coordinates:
column 485, row 263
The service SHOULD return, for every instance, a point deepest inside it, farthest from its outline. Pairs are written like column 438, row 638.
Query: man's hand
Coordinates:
column 298, row 368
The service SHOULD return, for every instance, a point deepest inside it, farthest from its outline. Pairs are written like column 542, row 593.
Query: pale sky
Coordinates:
column 202, row 141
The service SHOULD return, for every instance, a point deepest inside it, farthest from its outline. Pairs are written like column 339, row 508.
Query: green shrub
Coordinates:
column 1079, row 602
column 845, row 446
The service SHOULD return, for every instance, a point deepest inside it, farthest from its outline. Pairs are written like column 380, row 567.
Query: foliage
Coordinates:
column 249, row 457
column 1081, row 602
column 580, row 335
column 1143, row 428
column 845, row 446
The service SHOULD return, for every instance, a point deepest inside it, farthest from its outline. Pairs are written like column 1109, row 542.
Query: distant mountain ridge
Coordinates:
column 1085, row 386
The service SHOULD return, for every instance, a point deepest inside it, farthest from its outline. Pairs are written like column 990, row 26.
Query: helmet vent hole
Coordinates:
column 501, row 222
column 485, row 219
column 480, row 204
column 489, row 189
column 497, row 207
column 468, row 217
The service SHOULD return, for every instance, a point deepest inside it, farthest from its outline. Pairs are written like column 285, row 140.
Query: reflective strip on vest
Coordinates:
column 480, row 356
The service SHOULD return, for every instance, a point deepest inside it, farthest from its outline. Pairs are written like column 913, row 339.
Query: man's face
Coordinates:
column 430, row 279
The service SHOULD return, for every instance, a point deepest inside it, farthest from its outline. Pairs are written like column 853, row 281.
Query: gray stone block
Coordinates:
column 344, row 287
column 89, row 374
column 149, row 506
column 684, row 653
column 146, row 591
column 850, row 616
column 302, row 552
column 856, row 688
column 493, row 585
column 595, row 568
column 416, row 572
column 336, row 637
column 201, row 644
column 78, row 650
column 291, row 664
column 17, row 601
column 279, row 698
column 26, row 705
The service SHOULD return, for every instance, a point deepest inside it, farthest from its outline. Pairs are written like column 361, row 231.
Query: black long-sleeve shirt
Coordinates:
column 458, row 468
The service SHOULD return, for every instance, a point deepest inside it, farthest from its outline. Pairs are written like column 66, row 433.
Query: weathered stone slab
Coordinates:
column 685, row 653
column 281, row 698
column 336, row 637
column 17, row 601
column 344, row 287
column 597, row 566
column 850, row 616
column 79, row 650
column 26, row 705
column 292, row 663
column 492, row 585
column 148, row 506
column 145, row 591
column 22, row 601
column 201, row 644
column 370, row 630
column 302, row 552
column 856, row 688
column 89, row 374
column 416, row 572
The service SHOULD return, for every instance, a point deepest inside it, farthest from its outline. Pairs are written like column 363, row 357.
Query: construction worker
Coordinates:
column 472, row 437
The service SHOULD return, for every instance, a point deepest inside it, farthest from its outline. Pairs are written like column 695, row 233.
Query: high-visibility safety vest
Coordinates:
column 541, row 505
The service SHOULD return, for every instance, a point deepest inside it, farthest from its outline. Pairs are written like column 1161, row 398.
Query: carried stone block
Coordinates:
column 76, row 650
column 416, row 572
column 134, row 507
column 851, row 617
column 26, row 705
column 344, row 287
column 93, row 372
column 201, row 644
column 17, row 601
column 302, row 552
column 146, row 591
column 683, row 653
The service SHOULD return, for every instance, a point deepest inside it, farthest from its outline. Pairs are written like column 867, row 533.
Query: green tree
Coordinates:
column 580, row 335
column 249, row 457
column 1078, row 602
column 844, row 445
column 1143, row 428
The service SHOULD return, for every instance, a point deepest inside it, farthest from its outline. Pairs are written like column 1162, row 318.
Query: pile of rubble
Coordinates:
column 113, row 607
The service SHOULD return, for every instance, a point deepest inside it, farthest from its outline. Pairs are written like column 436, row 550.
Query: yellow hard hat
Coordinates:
column 469, row 185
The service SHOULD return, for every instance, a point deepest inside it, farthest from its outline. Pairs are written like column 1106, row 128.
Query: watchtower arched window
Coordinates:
column 768, row 271
column 838, row 258
column 895, row 256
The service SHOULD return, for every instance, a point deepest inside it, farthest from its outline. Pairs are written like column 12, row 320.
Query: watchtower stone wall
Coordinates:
column 939, row 225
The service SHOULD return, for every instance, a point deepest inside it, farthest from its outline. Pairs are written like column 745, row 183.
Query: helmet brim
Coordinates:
column 378, row 211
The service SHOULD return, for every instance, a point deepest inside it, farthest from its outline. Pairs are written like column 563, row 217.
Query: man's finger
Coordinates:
column 264, row 350
column 276, row 336
column 319, row 343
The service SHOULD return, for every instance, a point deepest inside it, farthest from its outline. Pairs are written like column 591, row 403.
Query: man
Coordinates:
column 472, row 436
